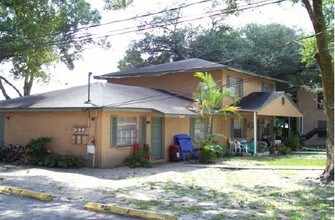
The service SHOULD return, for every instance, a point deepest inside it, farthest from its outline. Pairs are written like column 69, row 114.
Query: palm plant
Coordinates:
column 207, row 103
column 208, row 99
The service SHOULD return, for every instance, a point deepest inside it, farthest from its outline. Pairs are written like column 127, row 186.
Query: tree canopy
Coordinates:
column 266, row 49
column 35, row 33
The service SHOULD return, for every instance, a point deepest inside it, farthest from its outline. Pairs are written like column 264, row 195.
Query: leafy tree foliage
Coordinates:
column 170, row 43
column 270, row 50
column 265, row 49
column 219, row 44
column 35, row 33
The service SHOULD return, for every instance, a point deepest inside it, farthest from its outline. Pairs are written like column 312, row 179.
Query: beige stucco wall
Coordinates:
column 180, row 83
column 184, row 83
column 250, row 83
column 250, row 125
column 276, row 108
column 21, row 127
column 112, row 156
column 307, row 103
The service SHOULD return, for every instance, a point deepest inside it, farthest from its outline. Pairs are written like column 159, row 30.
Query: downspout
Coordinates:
column 255, row 133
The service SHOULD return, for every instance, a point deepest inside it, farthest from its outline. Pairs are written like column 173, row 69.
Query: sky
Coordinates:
column 100, row 61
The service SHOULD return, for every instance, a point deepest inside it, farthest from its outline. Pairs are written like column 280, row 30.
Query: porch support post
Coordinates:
column 255, row 133
column 302, row 124
column 289, row 126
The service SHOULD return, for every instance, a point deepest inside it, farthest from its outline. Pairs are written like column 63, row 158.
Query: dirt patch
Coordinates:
column 174, row 188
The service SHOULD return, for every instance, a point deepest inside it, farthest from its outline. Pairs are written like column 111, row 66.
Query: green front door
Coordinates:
column 156, row 138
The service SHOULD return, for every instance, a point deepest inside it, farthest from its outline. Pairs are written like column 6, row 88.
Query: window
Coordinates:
column 322, row 126
column 265, row 127
column 238, row 127
column 198, row 129
column 236, row 85
column 266, row 87
column 124, row 131
column 320, row 102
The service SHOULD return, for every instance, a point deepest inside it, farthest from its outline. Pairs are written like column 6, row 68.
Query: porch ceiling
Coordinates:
column 269, row 104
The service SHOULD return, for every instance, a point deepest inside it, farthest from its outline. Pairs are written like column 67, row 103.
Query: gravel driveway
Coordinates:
column 173, row 188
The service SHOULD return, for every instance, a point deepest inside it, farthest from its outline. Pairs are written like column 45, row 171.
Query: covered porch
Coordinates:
column 258, row 124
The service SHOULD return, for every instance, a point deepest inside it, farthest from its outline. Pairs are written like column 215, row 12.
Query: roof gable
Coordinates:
column 270, row 103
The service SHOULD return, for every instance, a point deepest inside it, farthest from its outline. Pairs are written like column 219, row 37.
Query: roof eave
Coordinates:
column 160, row 73
column 256, row 75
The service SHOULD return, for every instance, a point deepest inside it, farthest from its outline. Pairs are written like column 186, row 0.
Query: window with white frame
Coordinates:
column 235, row 85
column 126, row 131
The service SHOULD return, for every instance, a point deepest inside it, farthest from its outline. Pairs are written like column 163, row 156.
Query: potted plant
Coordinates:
column 272, row 149
column 261, row 149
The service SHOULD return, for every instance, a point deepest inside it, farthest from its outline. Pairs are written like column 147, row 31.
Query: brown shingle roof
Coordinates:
column 187, row 65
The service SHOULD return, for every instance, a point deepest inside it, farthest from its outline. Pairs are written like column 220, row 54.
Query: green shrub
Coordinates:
column 293, row 142
column 210, row 153
column 51, row 160
column 63, row 161
column 68, row 161
column 211, row 150
column 284, row 150
column 36, row 149
column 139, row 158
column 38, row 155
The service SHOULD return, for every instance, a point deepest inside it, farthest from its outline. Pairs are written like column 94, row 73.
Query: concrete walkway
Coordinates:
column 261, row 167
column 308, row 152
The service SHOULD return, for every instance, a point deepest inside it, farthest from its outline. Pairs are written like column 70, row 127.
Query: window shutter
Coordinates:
column 192, row 125
column 113, row 131
column 144, row 130
column 245, row 131
column 232, row 128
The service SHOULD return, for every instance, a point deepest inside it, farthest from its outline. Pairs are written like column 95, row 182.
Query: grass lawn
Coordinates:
column 281, row 160
column 215, row 194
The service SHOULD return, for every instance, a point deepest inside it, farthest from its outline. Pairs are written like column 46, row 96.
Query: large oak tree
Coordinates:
column 36, row 33
column 316, row 10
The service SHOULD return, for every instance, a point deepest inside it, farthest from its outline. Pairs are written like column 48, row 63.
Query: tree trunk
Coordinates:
column 28, row 84
column 209, row 125
column 324, row 60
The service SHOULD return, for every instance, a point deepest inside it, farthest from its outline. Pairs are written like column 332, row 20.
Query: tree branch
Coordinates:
column 4, row 79
column 3, row 90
